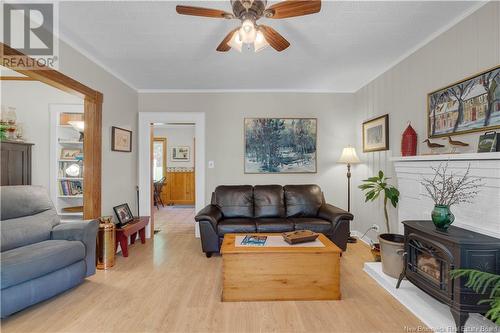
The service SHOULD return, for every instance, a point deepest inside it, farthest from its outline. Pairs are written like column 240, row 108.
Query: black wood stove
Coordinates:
column 430, row 254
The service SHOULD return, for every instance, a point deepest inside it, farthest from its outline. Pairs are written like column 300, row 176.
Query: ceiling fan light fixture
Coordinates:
column 260, row 42
column 247, row 32
column 235, row 41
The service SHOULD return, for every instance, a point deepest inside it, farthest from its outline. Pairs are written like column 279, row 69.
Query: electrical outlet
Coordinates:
column 376, row 227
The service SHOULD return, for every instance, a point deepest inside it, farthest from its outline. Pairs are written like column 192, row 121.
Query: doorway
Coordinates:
column 195, row 155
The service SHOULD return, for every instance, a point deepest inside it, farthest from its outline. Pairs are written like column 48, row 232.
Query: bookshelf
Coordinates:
column 66, row 161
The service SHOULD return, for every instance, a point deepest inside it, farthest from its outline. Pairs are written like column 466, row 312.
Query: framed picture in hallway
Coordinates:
column 376, row 134
column 470, row 105
column 180, row 153
column 280, row 145
column 121, row 139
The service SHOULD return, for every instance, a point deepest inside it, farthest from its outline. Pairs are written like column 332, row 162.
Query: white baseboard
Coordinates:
column 431, row 312
column 365, row 239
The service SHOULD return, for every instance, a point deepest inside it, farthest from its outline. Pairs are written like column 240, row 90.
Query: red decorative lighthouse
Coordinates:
column 409, row 142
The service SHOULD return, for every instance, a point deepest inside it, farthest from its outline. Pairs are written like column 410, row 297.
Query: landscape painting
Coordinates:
column 280, row 145
column 376, row 134
column 470, row 105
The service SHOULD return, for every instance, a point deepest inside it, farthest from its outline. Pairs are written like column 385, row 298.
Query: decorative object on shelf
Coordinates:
column 123, row 214
column 8, row 119
column 106, row 243
column 470, row 105
column 66, row 117
column 432, row 145
column 454, row 144
column 70, row 187
column 280, row 145
column 409, row 142
column 19, row 134
column 69, row 154
column 78, row 126
column 73, row 209
column 180, row 153
column 482, row 283
column 349, row 157
column 488, row 142
column 447, row 189
column 70, row 170
column 3, row 132
column 376, row 134
column 121, row 139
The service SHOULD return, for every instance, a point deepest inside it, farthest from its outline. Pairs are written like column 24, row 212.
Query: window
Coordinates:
column 159, row 158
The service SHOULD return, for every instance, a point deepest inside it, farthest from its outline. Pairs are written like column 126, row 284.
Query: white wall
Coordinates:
column 119, row 169
column 31, row 100
column 225, row 113
column 469, row 47
column 177, row 136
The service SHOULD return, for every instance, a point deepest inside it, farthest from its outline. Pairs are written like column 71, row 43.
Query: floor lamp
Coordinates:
column 349, row 157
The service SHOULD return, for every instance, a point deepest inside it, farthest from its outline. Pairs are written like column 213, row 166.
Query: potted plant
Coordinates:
column 447, row 189
column 481, row 282
column 391, row 245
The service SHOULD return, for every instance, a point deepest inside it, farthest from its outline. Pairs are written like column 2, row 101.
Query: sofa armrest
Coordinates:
column 85, row 232
column 333, row 214
column 210, row 213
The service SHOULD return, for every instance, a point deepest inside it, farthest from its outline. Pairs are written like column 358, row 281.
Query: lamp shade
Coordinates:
column 349, row 156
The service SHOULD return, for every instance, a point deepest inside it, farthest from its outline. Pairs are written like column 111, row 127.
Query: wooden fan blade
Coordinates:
column 223, row 47
column 277, row 42
column 292, row 8
column 205, row 12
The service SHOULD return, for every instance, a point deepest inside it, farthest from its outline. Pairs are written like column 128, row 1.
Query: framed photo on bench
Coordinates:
column 123, row 214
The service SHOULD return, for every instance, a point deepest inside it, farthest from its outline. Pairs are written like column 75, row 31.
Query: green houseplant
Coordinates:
column 481, row 282
column 376, row 185
column 391, row 245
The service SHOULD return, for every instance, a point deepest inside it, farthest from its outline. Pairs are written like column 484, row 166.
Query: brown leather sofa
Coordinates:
column 267, row 209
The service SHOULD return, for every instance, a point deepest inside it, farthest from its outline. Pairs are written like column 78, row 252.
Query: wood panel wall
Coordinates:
column 179, row 189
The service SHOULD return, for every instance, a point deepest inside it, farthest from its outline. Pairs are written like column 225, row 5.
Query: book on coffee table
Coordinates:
column 254, row 240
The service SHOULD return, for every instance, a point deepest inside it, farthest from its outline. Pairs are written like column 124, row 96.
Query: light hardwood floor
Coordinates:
column 168, row 285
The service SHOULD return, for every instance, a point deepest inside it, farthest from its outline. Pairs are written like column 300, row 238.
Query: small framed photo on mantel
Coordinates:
column 121, row 139
column 376, row 134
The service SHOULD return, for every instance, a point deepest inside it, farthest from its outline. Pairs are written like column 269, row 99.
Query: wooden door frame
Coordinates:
column 92, row 104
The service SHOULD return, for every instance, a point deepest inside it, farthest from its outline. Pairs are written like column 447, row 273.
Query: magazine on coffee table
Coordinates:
column 251, row 240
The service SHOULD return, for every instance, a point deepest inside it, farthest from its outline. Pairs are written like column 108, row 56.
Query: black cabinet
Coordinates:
column 15, row 163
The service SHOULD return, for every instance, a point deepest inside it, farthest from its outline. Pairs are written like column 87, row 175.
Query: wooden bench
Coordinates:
column 138, row 225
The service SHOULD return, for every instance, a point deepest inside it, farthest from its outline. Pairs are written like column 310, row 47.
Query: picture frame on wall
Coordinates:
column 280, row 145
column 121, row 139
column 376, row 134
column 70, row 154
column 181, row 153
column 467, row 106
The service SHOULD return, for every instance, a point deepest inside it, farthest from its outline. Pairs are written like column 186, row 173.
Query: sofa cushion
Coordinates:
column 29, row 262
column 269, row 201
column 274, row 225
column 234, row 201
column 231, row 226
column 27, row 216
column 313, row 224
column 303, row 200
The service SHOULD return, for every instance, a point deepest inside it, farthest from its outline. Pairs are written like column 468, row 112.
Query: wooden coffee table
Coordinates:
column 282, row 272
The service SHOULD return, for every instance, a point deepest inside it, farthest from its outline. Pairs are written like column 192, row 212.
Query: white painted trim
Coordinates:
column 448, row 157
column 431, row 312
column 145, row 119
column 427, row 40
column 223, row 91
column 367, row 240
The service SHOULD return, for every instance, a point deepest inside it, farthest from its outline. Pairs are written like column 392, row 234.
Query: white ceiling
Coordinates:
column 340, row 49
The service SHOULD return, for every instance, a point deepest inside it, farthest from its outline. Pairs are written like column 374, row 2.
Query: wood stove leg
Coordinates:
column 460, row 319
column 403, row 273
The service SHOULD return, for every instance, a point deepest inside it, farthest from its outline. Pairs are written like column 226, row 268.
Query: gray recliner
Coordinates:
column 40, row 256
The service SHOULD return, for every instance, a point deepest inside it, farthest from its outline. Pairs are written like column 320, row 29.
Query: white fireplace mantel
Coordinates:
column 482, row 216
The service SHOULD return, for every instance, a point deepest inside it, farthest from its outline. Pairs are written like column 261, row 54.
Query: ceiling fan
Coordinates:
column 248, row 12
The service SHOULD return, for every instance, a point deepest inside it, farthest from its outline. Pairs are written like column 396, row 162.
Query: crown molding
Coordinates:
column 427, row 40
column 224, row 91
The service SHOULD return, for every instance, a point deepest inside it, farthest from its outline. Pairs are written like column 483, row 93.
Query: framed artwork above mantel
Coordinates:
column 467, row 106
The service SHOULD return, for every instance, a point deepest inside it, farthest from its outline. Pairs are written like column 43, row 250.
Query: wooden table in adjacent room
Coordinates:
column 138, row 225
column 278, row 271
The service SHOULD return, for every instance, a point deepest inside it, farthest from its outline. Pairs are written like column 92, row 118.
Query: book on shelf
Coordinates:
column 254, row 240
column 70, row 187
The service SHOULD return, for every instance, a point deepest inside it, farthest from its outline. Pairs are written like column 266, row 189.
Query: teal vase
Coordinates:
column 442, row 217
